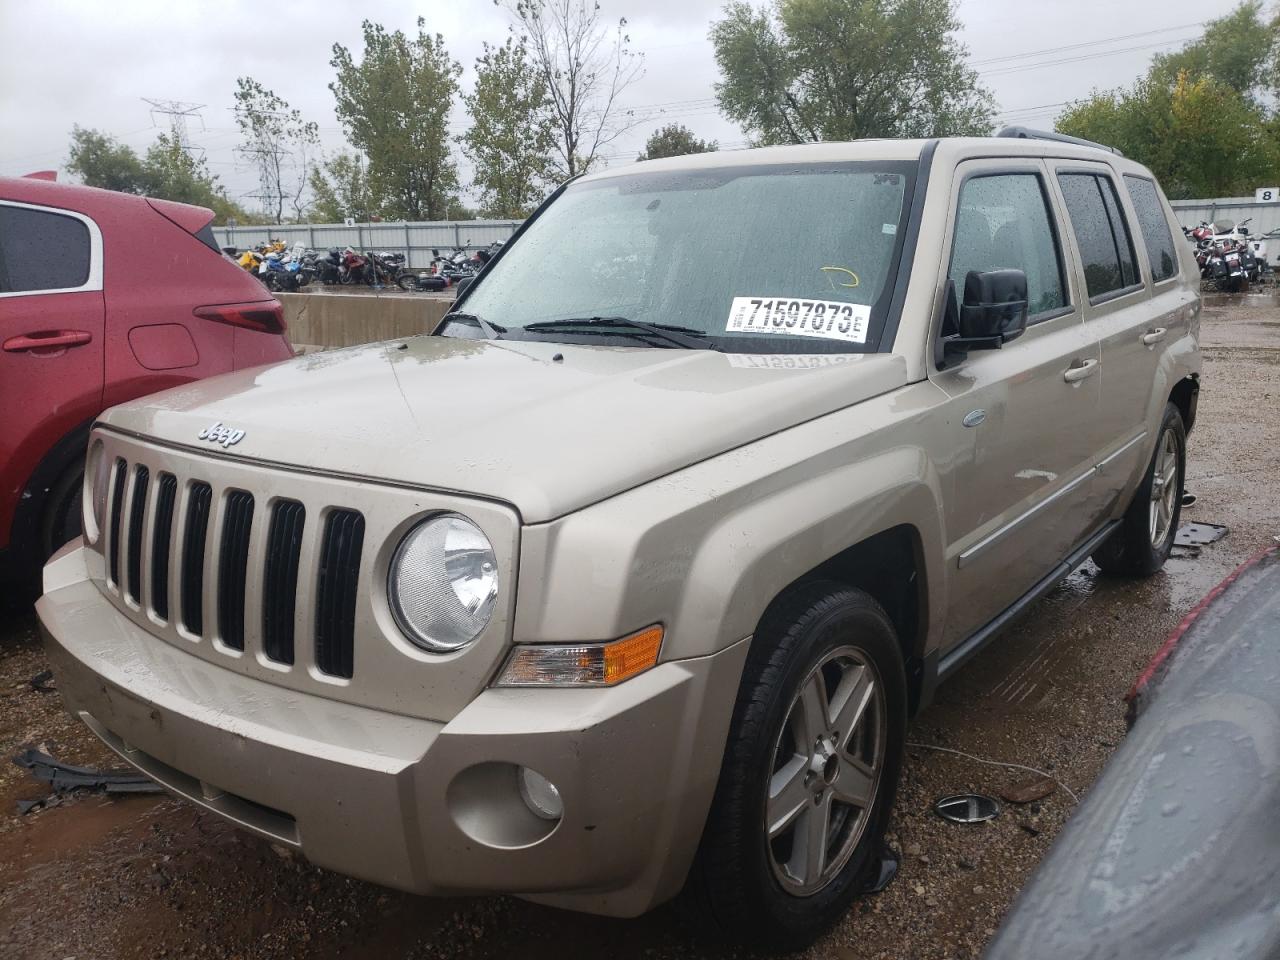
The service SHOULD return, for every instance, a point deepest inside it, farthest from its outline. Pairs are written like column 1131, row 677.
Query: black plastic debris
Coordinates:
column 883, row 874
column 1192, row 536
column 42, row 682
column 65, row 778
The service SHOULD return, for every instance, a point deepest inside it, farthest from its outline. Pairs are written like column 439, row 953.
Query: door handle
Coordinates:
column 47, row 339
column 1080, row 370
column 1155, row 335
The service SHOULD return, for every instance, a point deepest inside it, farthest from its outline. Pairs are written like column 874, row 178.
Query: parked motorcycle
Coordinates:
column 354, row 268
column 1221, row 266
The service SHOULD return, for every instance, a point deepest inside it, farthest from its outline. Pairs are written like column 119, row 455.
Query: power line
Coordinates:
column 1000, row 71
column 1088, row 43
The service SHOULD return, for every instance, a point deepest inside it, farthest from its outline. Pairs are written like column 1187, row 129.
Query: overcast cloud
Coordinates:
column 92, row 62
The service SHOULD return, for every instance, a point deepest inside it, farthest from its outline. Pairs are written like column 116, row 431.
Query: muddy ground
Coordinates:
column 149, row 877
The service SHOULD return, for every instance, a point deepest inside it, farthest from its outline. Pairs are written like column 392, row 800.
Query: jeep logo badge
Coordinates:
column 217, row 433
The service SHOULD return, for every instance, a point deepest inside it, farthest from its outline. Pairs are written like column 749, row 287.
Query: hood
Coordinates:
column 506, row 419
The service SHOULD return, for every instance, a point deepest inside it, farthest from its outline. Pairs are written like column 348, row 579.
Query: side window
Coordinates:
column 1154, row 227
column 1003, row 221
column 1101, row 233
column 41, row 250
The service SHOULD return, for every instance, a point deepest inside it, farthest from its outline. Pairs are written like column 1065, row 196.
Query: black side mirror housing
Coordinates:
column 994, row 311
column 462, row 287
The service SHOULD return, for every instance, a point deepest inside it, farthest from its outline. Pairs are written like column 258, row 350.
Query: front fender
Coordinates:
column 705, row 550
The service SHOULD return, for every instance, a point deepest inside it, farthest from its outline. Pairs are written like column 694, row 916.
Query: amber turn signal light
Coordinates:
column 582, row 665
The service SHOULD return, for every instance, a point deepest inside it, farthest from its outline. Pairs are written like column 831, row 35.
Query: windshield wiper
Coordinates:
column 491, row 331
column 679, row 336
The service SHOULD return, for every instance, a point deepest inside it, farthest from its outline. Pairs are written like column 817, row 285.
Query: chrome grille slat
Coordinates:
column 137, row 516
column 114, row 545
column 233, row 557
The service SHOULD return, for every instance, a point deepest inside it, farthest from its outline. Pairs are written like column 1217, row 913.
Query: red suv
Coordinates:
column 103, row 297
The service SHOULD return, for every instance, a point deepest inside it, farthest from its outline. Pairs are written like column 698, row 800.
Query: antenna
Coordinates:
column 177, row 112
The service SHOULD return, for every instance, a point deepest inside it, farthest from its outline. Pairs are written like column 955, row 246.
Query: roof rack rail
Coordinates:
column 1026, row 133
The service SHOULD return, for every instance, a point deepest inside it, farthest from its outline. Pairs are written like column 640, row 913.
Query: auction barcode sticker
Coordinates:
column 829, row 319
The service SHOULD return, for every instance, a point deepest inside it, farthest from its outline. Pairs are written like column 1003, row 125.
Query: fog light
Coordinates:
column 540, row 795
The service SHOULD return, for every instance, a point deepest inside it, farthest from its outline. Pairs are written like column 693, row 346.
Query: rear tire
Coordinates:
column 790, row 774
column 1145, row 537
column 61, row 522
column 407, row 281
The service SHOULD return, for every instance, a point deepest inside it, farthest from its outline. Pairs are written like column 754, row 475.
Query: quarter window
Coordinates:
column 40, row 250
column 1003, row 222
column 1101, row 233
column 1154, row 227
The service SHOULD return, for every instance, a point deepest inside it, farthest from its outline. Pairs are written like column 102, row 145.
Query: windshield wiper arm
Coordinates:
column 491, row 330
column 680, row 336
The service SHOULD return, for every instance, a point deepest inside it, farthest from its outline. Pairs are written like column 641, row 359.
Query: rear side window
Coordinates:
column 1154, row 227
column 1101, row 233
column 1003, row 222
column 40, row 250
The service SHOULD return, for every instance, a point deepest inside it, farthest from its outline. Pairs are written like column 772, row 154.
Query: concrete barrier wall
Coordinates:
column 330, row 320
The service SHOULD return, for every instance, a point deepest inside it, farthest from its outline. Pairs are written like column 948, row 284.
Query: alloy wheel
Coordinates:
column 825, row 771
column 1164, row 488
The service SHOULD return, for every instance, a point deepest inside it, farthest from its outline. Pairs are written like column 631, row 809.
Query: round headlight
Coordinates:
column 443, row 583
column 97, row 476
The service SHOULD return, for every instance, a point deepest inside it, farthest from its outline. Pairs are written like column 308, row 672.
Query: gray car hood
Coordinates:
column 508, row 420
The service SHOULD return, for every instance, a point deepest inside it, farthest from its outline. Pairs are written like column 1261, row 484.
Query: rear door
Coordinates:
column 51, row 332
column 1134, row 307
column 1020, row 413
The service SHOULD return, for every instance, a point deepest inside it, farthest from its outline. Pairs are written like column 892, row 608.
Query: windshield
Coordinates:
column 760, row 259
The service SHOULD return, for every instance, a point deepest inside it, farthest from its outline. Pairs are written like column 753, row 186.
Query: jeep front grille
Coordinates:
column 199, row 516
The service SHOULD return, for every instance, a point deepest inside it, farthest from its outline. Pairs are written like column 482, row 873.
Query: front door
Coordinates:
column 1023, row 414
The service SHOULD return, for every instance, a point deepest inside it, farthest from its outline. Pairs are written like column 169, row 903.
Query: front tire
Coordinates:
column 1145, row 538
column 809, row 773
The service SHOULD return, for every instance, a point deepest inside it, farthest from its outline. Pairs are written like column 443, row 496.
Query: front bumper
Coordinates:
column 414, row 804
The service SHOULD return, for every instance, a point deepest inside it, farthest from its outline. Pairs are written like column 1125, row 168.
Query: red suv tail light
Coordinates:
column 263, row 316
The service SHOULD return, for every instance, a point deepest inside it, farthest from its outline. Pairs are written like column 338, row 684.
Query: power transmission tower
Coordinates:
column 177, row 112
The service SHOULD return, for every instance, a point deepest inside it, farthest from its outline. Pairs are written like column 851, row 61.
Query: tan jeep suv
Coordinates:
column 627, row 579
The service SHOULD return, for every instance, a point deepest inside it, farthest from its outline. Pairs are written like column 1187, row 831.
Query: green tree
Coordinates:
column 1237, row 50
column 167, row 172
column 100, row 160
column 1202, row 118
column 394, row 105
column 276, row 141
column 674, row 140
column 510, row 139
column 339, row 190
column 810, row 70
column 173, row 174
column 586, row 66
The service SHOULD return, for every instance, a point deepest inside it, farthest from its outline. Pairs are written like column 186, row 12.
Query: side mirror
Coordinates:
column 462, row 288
column 994, row 311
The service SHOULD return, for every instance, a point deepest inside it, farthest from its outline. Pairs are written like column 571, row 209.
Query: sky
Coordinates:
column 94, row 63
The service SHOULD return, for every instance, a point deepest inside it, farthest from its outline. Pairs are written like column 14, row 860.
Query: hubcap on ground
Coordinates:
column 826, row 771
column 1164, row 488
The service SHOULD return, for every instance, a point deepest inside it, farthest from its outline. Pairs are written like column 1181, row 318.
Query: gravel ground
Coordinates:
column 148, row 877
